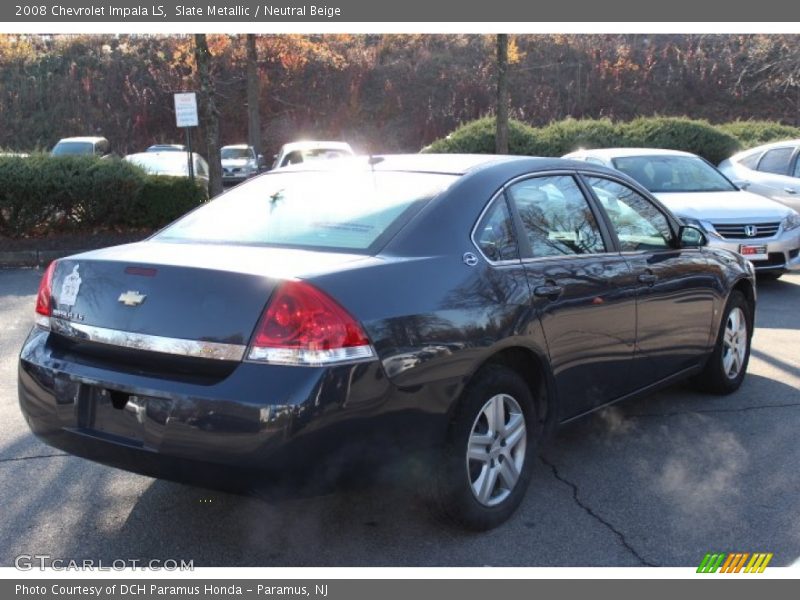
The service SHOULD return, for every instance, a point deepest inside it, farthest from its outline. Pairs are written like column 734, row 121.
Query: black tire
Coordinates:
column 452, row 494
column 714, row 378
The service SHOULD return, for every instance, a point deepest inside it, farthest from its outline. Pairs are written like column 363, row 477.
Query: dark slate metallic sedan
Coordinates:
column 453, row 308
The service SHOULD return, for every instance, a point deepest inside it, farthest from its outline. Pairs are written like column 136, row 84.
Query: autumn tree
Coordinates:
column 253, row 95
column 501, row 137
column 208, row 107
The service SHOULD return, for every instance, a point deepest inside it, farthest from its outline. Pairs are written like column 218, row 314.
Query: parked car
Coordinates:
column 97, row 146
column 764, row 231
column 300, row 152
column 167, row 148
column 771, row 170
column 239, row 162
column 174, row 164
column 447, row 307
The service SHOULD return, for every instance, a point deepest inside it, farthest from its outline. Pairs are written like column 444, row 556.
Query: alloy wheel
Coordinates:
column 496, row 450
column 734, row 340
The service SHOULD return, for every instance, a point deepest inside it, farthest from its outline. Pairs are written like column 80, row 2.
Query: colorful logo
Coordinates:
column 734, row 562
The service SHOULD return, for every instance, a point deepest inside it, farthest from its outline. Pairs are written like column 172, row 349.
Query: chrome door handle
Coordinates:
column 648, row 278
column 789, row 190
column 548, row 291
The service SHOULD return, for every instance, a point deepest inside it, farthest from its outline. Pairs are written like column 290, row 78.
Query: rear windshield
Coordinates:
column 339, row 210
column 63, row 148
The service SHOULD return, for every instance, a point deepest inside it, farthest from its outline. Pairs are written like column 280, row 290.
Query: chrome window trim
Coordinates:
column 150, row 343
column 501, row 191
column 553, row 173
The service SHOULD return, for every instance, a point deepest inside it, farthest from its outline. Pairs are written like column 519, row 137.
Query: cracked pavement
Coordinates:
column 660, row 481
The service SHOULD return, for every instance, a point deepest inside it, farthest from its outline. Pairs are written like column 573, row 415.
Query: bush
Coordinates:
column 477, row 137
column 43, row 194
column 754, row 133
column 162, row 200
column 698, row 137
column 561, row 137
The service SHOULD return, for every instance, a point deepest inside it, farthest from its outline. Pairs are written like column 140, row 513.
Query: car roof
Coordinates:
column 89, row 139
column 762, row 147
column 609, row 153
column 313, row 145
column 164, row 157
column 237, row 146
column 452, row 164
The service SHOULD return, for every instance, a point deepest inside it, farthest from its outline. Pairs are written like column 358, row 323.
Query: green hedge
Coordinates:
column 755, row 133
column 43, row 194
column 163, row 199
column 713, row 142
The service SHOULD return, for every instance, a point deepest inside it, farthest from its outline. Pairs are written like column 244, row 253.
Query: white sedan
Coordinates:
column 764, row 231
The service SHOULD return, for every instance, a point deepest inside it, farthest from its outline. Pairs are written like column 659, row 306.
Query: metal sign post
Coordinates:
column 186, row 117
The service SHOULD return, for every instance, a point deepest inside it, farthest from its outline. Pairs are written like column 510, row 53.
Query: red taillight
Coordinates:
column 44, row 297
column 304, row 326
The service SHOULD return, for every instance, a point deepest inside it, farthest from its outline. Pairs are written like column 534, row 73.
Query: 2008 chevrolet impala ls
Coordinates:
column 452, row 307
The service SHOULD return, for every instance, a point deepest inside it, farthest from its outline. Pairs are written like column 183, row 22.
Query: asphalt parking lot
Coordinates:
column 656, row 482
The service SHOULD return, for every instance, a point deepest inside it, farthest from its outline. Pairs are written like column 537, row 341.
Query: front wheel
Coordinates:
column 727, row 365
column 485, row 466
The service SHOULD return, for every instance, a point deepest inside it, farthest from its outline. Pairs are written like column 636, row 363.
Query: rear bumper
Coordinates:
column 258, row 426
column 236, row 178
column 783, row 251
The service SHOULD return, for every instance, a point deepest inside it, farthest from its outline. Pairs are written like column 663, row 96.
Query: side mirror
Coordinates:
column 742, row 184
column 691, row 237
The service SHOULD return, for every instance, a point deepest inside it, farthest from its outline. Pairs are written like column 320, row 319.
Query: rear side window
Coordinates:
column 776, row 161
column 346, row 209
column 556, row 217
column 494, row 234
column 750, row 161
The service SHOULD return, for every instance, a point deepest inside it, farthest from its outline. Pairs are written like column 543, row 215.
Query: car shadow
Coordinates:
column 676, row 475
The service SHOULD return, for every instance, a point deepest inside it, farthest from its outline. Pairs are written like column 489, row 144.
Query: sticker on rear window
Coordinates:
column 70, row 287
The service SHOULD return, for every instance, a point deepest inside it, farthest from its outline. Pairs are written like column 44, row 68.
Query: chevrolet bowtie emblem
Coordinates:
column 131, row 298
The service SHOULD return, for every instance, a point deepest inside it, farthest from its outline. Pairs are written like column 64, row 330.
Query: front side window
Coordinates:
column 556, row 217
column 494, row 234
column 637, row 221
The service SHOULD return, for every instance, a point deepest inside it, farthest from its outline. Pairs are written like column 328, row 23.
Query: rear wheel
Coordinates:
column 486, row 463
column 727, row 366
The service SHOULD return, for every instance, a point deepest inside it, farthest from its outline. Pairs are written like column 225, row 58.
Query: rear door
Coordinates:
column 777, row 176
column 582, row 289
column 674, row 285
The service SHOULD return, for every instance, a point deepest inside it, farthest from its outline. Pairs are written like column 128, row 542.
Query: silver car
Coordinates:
column 239, row 162
column 764, row 231
column 173, row 164
column 772, row 170
column 303, row 152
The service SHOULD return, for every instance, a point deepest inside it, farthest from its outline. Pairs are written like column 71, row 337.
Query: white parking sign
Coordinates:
column 186, row 109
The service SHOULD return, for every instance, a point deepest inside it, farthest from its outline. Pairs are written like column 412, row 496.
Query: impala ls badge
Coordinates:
column 131, row 298
column 750, row 230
